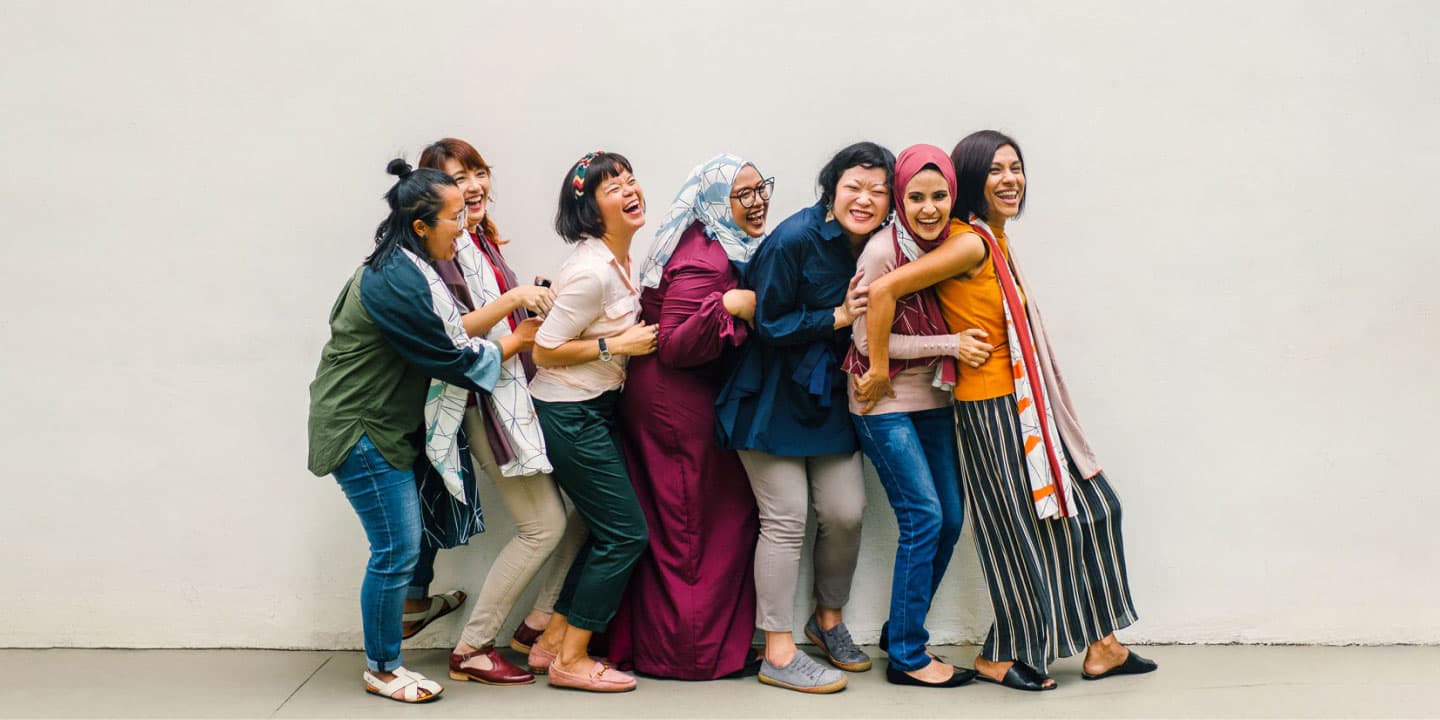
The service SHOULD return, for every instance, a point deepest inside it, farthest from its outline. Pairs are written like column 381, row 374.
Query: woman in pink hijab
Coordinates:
column 909, row 433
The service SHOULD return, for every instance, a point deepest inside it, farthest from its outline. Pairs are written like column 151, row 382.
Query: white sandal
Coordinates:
column 409, row 683
column 440, row 606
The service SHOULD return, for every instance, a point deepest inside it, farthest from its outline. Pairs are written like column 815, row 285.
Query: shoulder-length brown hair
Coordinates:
column 464, row 153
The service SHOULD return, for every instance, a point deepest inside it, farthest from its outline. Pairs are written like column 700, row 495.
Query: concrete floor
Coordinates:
column 1229, row 681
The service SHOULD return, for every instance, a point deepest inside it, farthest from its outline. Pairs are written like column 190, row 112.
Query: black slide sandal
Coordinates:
column 1021, row 677
column 1133, row 665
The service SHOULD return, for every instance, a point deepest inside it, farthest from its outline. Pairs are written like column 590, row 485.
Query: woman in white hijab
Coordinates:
column 689, row 612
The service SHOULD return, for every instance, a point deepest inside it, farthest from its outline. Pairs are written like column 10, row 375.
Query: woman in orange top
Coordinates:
column 1047, row 523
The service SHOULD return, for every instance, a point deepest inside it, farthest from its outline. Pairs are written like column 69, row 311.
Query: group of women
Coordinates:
column 693, row 411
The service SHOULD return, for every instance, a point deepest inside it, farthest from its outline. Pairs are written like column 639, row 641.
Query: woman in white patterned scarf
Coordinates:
column 399, row 359
column 689, row 612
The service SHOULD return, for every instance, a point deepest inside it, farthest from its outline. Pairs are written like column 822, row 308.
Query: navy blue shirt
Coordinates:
column 786, row 395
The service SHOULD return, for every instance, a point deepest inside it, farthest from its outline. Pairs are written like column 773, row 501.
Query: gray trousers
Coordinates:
column 542, row 530
column 785, row 488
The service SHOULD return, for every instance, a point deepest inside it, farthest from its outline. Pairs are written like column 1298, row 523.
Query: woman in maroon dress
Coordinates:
column 689, row 612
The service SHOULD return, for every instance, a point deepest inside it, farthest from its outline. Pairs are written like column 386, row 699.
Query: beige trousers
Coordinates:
column 543, row 531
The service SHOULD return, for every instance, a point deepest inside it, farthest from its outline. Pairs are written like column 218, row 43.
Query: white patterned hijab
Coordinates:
column 705, row 196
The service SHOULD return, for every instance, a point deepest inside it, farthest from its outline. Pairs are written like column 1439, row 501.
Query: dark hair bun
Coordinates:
column 399, row 168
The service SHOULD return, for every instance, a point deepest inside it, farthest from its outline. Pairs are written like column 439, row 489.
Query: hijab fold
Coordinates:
column 918, row 313
column 705, row 196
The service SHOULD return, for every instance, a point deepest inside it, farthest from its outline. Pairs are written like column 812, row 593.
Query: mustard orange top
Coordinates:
column 975, row 302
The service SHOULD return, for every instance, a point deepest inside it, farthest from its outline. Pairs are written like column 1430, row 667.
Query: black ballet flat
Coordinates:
column 1022, row 677
column 900, row 677
column 1133, row 665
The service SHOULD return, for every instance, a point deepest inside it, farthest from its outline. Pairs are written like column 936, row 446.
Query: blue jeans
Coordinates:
column 419, row 588
column 917, row 459
column 389, row 508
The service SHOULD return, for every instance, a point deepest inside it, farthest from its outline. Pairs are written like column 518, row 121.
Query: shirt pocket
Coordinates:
column 619, row 308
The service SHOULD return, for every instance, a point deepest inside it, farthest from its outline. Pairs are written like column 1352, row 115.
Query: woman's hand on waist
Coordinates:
column 871, row 388
column 971, row 347
column 638, row 339
column 857, row 300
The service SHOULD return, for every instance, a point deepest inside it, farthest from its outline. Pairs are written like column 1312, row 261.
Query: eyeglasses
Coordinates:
column 463, row 218
column 747, row 195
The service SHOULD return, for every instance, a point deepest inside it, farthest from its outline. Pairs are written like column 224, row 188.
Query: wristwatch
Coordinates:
column 604, row 351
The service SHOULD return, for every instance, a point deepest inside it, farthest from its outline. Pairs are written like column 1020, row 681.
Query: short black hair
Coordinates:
column 414, row 196
column 579, row 217
column 973, row 156
column 862, row 154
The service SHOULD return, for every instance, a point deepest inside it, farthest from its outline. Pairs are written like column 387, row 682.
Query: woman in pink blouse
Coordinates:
column 689, row 612
column 907, row 434
column 581, row 350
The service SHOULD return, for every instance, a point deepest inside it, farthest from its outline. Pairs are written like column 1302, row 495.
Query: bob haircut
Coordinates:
column 417, row 195
column 973, row 156
column 438, row 152
column 579, row 217
column 862, row 154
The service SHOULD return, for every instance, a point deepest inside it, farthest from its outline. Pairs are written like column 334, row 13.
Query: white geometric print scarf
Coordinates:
column 511, row 397
column 445, row 403
column 705, row 196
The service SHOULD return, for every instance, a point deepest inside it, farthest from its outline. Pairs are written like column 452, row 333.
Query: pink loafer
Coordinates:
column 540, row 659
column 601, row 678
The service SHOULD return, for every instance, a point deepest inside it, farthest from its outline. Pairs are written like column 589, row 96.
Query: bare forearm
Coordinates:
column 511, row 344
column 878, row 319
column 479, row 322
column 573, row 352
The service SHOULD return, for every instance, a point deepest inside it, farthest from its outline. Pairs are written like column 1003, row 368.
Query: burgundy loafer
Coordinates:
column 524, row 637
column 501, row 672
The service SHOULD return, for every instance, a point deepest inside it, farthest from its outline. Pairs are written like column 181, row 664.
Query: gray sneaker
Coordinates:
column 802, row 674
column 838, row 646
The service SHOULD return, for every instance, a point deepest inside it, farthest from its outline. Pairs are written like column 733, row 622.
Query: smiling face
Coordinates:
column 449, row 225
column 862, row 200
column 1004, row 186
column 927, row 204
column 751, row 219
column 474, row 187
column 621, row 203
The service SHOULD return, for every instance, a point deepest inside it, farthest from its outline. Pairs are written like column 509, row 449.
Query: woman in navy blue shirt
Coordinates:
column 785, row 410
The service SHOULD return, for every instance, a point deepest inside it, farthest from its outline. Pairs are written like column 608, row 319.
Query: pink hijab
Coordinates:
column 917, row 313
column 911, row 161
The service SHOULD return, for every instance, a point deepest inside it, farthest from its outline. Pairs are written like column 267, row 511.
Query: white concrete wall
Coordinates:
column 1231, row 224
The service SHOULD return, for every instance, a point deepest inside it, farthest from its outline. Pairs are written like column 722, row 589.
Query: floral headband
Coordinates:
column 578, row 180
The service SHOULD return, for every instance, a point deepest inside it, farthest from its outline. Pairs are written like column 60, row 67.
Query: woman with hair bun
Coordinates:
column 400, row 359
column 581, row 350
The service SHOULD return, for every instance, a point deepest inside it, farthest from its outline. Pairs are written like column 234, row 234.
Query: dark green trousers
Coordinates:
column 583, row 442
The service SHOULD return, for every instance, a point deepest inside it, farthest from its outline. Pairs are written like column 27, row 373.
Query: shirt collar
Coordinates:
column 828, row 229
column 597, row 247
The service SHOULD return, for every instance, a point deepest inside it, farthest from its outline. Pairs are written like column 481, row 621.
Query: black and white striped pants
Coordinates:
column 1056, row 585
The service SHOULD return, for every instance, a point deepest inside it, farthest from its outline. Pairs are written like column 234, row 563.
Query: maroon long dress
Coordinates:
column 689, row 612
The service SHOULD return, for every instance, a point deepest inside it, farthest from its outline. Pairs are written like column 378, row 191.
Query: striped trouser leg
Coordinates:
column 1056, row 585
